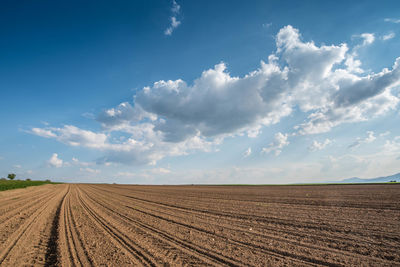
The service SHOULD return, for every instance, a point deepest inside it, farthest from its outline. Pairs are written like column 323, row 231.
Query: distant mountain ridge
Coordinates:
column 383, row 179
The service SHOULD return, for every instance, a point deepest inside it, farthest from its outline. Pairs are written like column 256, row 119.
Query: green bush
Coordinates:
column 11, row 176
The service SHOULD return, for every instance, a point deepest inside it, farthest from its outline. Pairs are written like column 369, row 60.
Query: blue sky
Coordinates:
column 165, row 92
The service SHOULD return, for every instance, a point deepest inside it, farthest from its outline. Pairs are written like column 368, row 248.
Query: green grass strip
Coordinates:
column 14, row 184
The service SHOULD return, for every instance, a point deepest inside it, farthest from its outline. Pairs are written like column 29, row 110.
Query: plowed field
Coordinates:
column 123, row 225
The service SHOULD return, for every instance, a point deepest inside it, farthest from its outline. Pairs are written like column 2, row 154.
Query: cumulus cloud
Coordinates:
column 315, row 146
column 55, row 161
column 324, row 120
column 247, row 152
column 369, row 139
column 388, row 36
column 174, row 21
column 280, row 141
column 145, row 146
column 392, row 20
column 353, row 64
column 173, row 117
column 74, row 136
column 217, row 103
column 122, row 114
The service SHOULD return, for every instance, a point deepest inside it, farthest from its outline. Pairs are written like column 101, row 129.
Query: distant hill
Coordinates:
column 384, row 179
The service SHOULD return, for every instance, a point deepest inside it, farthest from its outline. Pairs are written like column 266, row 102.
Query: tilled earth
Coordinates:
column 123, row 225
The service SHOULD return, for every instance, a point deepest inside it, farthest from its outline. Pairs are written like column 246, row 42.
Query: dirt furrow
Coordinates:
column 385, row 257
column 320, row 238
column 117, row 236
column 21, row 208
column 202, row 253
column 11, row 223
column 117, row 225
column 212, row 236
column 10, row 198
column 72, row 249
column 28, row 244
column 261, row 232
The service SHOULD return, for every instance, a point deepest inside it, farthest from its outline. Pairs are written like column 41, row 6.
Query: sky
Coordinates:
column 199, row 92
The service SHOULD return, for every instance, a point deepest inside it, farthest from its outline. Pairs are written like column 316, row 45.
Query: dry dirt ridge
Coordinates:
column 116, row 225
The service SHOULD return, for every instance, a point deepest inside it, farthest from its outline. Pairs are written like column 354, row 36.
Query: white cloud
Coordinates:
column 171, row 118
column 280, row 141
column 254, row 132
column 392, row 20
column 218, row 104
column 77, row 162
column 122, row 115
column 357, row 99
column 247, row 152
column 127, row 174
column 369, row 38
column 17, row 166
column 175, row 7
column 369, row 139
column 158, row 171
column 315, row 146
column 174, row 21
column 74, row 136
column 388, row 36
column 147, row 174
column 43, row 132
column 384, row 134
column 90, row 170
column 392, row 145
column 353, row 64
column 55, row 161
column 267, row 25
column 145, row 146
column 384, row 161
column 88, row 115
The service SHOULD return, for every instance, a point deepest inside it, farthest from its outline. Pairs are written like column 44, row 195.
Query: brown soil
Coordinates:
column 122, row 225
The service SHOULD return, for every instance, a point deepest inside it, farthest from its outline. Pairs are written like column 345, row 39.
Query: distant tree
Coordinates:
column 11, row 176
column 48, row 181
column 28, row 179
